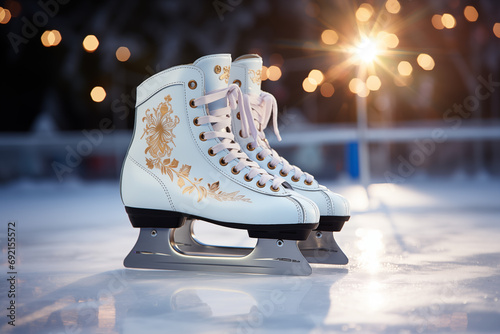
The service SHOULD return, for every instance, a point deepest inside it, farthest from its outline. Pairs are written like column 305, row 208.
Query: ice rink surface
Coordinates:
column 424, row 258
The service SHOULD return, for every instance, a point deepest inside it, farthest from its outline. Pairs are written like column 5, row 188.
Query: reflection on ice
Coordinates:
column 106, row 313
column 372, row 248
column 216, row 300
column 423, row 260
column 375, row 296
column 150, row 301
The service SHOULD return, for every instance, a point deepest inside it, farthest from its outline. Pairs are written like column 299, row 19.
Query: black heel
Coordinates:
column 155, row 218
column 332, row 223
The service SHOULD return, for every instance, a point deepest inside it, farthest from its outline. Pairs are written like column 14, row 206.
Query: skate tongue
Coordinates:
column 216, row 69
column 247, row 69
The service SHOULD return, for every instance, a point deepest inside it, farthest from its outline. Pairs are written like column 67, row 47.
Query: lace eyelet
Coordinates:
column 191, row 103
column 308, row 183
column 249, row 147
column 247, row 178
column 238, row 116
column 295, row 179
column 217, row 69
column 211, row 152
column 192, row 84
column 241, row 134
column 202, row 136
column 270, row 166
column 222, row 162
column 238, row 82
column 259, row 157
column 283, row 173
column 260, row 185
column 195, row 121
column 234, row 171
column 275, row 189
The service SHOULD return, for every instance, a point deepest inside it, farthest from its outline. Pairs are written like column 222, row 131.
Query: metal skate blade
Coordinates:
column 156, row 249
column 186, row 241
column 321, row 247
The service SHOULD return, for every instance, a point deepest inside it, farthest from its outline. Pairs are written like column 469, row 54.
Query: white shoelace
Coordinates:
column 221, row 121
column 262, row 107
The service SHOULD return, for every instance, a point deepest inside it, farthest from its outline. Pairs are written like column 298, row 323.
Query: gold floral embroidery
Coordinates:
column 255, row 76
column 225, row 75
column 159, row 129
column 159, row 134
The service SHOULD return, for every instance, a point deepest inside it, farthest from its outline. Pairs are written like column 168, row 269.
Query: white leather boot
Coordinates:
column 248, row 126
column 184, row 164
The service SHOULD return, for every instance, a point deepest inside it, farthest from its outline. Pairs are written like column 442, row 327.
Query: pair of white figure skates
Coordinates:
column 199, row 152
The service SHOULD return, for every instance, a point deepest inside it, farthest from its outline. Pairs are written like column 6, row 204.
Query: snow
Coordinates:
column 424, row 258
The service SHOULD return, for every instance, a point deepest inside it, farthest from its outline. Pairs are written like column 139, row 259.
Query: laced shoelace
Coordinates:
column 261, row 108
column 221, row 122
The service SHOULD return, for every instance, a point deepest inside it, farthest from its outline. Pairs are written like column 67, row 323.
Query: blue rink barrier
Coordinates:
column 352, row 159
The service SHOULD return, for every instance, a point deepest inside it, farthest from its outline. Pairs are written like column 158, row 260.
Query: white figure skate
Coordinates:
column 249, row 125
column 320, row 246
column 183, row 164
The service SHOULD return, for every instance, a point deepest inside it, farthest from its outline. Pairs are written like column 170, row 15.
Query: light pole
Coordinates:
column 364, row 54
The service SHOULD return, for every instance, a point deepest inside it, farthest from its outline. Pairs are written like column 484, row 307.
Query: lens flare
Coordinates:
column 366, row 51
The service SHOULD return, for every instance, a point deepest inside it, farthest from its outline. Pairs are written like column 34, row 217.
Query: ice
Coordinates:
column 424, row 258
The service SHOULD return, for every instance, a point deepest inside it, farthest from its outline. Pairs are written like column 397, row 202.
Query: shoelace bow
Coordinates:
column 221, row 122
column 261, row 108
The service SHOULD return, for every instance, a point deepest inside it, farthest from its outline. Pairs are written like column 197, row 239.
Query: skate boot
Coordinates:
column 183, row 164
column 248, row 127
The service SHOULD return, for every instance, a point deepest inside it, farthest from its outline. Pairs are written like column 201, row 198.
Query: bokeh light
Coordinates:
column 437, row 22
column 389, row 40
column 274, row 73
column 90, row 43
column 263, row 74
column 425, row 61
column 471, row 14
column 405, row 68
column 364, row 92
column 5, row 15
column 308, row 85
column 496, row 29
column 393, row 6
column 98, row 94
column 50, row 38
column 45, row 38
column 357, row 86
column 373, row 83
column 329, row 37
column 57, row 37
column 316, row 76
column 122, row 53
column 327, row 89
column 448, row 21
column 364, row 12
